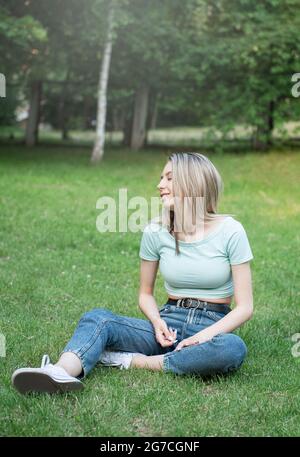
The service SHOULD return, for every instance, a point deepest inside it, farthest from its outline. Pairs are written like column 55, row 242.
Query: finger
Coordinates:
column 181, row 345
column 173, row 334
column 160, row 338
column 166, row 337
column 166, row 343
column 173, row 331
column 166, row 330
column 163, row 341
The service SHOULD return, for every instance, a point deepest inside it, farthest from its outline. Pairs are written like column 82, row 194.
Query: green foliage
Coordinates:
column 250, row 50
column 21, row 31
column 18, row 37
column 207, row 62
column 8, row 106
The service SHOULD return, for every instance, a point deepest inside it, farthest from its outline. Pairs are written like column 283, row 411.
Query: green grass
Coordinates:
column 55, row 265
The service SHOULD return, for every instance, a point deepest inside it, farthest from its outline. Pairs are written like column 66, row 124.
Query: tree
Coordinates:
column 19, row 34
column 149, row 55
column 248, row 52
column 199, row 62
column 98, row 150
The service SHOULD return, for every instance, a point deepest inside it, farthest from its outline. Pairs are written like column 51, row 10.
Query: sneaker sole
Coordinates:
column 26, row 381
column 108, row 364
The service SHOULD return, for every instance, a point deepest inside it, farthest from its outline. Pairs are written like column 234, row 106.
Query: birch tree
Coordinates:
column 98, row 150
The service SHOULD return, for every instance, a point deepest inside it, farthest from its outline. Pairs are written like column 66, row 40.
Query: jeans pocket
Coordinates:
column 214, row 315
column 165, row 309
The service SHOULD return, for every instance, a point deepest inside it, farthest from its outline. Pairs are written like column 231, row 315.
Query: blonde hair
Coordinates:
column 193, row 176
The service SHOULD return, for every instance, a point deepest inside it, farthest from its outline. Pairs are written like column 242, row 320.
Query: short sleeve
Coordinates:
column 149, row 249
column 238, row 247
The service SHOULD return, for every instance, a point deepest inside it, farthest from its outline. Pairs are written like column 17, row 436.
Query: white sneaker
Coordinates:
column 121, row 360
column 49, row 378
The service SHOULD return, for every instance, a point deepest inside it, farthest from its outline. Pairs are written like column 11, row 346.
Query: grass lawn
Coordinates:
column 55, row 265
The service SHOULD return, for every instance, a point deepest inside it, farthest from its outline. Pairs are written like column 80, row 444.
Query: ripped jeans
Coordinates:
column 101, row 329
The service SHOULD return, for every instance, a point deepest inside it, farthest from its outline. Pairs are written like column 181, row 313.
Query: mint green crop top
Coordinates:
column 203, row 267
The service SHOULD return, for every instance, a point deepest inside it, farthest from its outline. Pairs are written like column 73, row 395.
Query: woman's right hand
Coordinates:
column 164, row 336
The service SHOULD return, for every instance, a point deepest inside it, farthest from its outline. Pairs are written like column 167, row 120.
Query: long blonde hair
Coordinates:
column 193, row 175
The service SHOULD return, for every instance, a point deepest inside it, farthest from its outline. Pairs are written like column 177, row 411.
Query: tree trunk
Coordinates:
column 262, row 138
column 86, row 124
column 154, row 112
column 98, row 150
column 118, row 119
column 115, row 119
column 63, row 109
column 65, row 131
column 271, row 121
column 139, row 132
column 127, row 127
column 63, row 115
column 32, row 126
column 121, row 119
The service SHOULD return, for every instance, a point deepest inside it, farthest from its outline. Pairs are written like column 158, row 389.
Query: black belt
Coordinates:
column 195, row 303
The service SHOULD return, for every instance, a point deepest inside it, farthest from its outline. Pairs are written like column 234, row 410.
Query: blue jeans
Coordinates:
column 101, row 329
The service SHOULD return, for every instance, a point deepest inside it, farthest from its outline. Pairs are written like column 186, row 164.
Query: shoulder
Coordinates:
column 150, row 243
column 152, row 226
column 152, row 233
column 232, row 226
column 236, row 242
column 234, row 232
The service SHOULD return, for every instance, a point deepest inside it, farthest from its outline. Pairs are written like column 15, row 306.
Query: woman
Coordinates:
column 204, row 263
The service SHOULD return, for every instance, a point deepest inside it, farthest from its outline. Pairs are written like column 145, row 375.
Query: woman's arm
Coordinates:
column 241, row 275
column 148, row 304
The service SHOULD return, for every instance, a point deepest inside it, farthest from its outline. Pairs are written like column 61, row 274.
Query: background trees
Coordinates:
column 198, row 62
column 250, row 52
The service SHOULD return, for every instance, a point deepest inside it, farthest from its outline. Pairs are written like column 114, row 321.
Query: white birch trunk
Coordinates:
column 98, row 150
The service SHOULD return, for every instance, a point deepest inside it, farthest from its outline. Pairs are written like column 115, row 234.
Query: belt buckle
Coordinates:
column 184, row 303
column 198, row 303
column 179, row 302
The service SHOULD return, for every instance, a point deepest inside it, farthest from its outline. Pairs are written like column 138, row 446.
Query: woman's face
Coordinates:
column 165, row 186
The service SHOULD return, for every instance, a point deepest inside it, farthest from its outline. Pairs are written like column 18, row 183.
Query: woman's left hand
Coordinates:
column 192, row 340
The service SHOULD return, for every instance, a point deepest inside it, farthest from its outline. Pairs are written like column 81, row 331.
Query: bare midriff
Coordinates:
column 226, row 300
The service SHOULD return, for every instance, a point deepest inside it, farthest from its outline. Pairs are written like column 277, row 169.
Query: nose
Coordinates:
column 159, row 185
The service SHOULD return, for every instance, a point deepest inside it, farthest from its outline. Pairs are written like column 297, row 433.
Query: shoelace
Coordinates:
column 60, row 373
column 45, row 360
